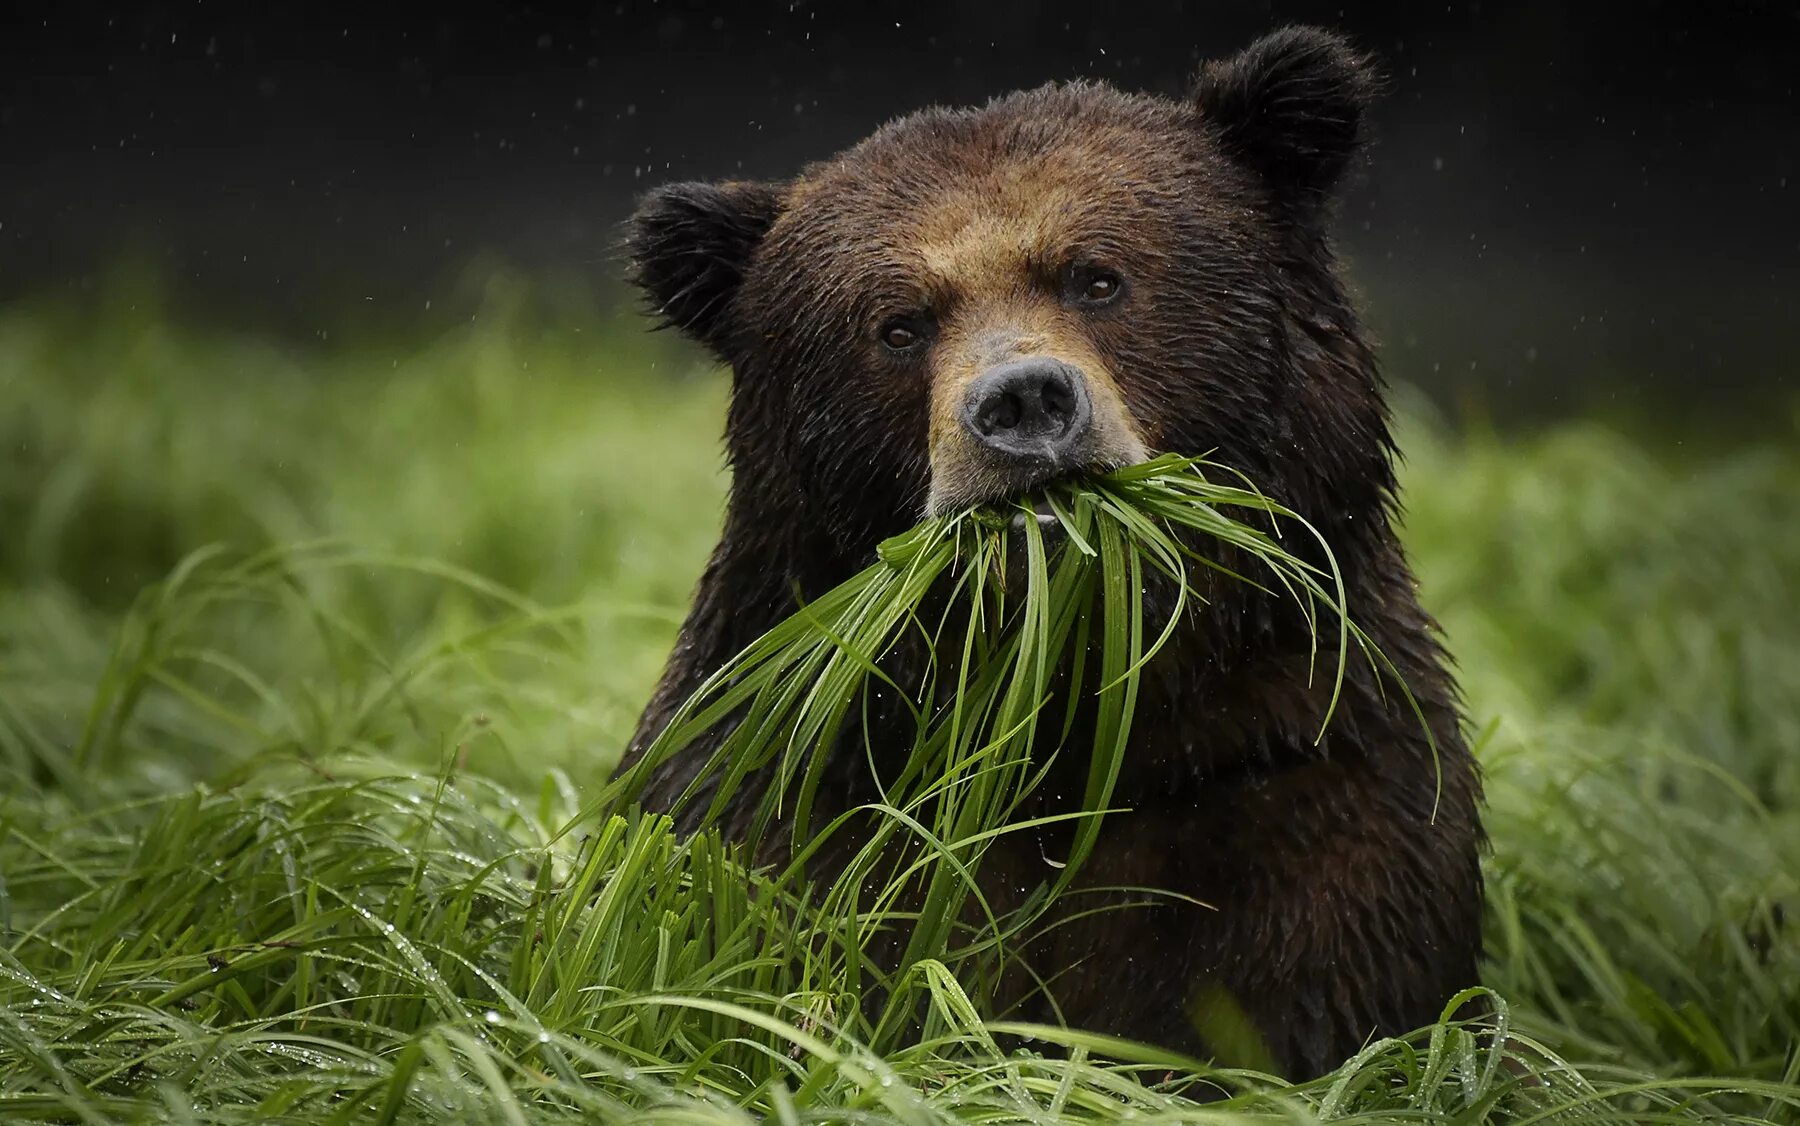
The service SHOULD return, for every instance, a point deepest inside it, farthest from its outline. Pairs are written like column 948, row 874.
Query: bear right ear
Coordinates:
column 1292, row 107
column 689, row 245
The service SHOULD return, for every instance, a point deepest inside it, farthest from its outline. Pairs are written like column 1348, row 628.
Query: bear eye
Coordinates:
column 900, row 335
column 1097, row 287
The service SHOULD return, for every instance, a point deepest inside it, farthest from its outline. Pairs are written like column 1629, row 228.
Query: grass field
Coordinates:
column 312, row 666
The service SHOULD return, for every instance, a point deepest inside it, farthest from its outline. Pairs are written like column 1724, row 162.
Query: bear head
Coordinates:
column 973, row 301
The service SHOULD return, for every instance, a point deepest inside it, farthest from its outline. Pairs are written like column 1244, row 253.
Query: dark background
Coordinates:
column 1568, row 205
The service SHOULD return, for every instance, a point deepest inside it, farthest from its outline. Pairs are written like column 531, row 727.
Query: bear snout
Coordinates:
column 1022, row 422
column 1035, row 409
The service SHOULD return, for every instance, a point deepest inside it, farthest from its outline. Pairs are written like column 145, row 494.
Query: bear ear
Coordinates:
column 1291, row 106
column 689, row 245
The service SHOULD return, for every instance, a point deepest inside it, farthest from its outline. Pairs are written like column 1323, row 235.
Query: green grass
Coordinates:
column 304, row 826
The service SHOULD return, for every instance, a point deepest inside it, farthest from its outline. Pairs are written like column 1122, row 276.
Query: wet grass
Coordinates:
column 304, row 825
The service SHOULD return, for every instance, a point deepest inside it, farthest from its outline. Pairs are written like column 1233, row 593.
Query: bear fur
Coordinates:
column 1337, row 879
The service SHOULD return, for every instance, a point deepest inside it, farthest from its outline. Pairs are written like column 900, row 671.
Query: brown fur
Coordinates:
column 1341, row 876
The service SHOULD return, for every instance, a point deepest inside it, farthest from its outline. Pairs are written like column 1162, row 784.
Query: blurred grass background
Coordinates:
column 471, row 556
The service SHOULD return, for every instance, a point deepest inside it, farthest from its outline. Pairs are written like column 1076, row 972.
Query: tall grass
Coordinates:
column 302, row 828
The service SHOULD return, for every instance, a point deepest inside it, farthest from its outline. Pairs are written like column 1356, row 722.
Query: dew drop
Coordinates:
column 493, row 1017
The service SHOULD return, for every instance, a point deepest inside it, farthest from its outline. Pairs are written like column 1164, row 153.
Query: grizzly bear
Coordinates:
column 972, row 302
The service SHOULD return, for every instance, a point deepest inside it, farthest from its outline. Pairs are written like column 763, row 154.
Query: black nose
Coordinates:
column 1033, row 408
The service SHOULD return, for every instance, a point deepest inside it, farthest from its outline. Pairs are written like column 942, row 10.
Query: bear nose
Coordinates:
column 1035, row 408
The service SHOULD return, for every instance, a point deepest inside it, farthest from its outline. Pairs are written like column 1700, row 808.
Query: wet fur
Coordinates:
column 1342, row 876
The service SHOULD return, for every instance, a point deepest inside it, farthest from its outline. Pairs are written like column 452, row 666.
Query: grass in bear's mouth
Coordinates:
column 1021, row 601
column 1036, row 586
column 233, row 888
column 1019, row 617
column 1026, row 646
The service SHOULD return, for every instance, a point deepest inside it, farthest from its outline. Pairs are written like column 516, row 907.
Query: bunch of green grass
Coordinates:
column 1023, row 614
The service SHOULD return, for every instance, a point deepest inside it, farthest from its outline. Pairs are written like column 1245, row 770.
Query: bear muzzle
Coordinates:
column 1022, row 423
column 1036, row 410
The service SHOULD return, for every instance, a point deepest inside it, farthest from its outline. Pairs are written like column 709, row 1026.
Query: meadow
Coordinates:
column 313, row 664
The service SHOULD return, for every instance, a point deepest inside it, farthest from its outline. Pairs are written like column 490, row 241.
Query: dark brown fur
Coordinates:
column 1342, row 875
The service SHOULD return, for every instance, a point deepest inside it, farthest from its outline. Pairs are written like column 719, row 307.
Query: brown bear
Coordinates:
column 973, row 301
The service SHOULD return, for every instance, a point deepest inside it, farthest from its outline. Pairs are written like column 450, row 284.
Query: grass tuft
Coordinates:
column 302, row 829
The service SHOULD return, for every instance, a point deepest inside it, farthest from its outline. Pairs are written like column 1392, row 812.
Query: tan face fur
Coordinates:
column 1004, row 257
column 996, row 259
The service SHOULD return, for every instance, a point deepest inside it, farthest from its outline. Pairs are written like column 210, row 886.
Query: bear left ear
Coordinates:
column 1291, row 106
column 689, row 246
